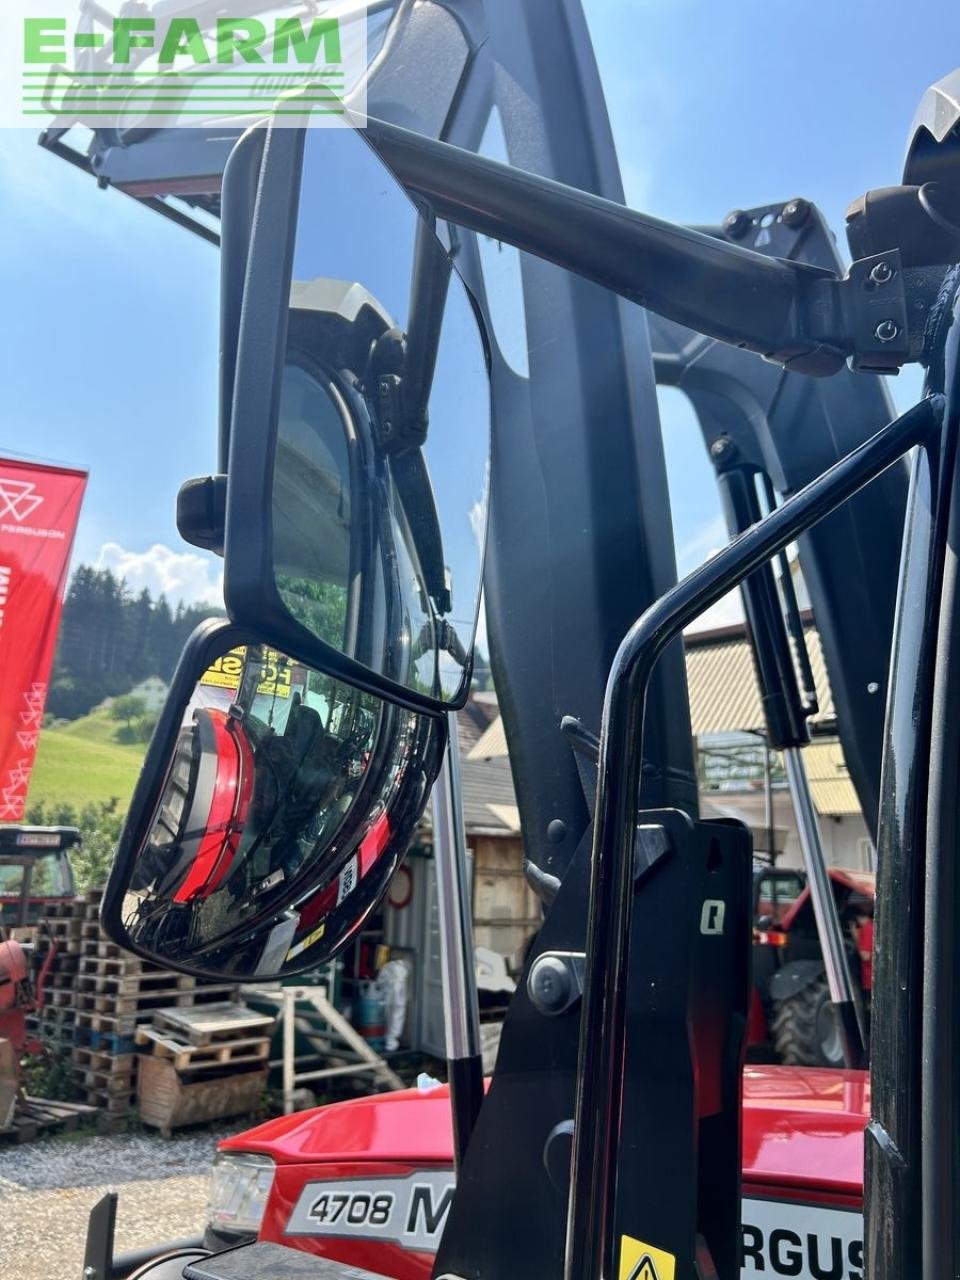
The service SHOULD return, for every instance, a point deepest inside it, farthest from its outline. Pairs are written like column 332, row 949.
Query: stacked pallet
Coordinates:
column 96, row 996
column 202, row 1063
column 55, row 1022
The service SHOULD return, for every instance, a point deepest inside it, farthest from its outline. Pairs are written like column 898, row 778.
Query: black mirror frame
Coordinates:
column 210, row 641
column 204, row 646
column 250, row 593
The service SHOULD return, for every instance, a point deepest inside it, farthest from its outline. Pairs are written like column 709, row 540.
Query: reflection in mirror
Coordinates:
column 312, row 504
column 380, row 473
column 287, row 803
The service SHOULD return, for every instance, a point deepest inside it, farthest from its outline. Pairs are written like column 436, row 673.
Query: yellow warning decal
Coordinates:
column 640, row 1261
column 308, row 941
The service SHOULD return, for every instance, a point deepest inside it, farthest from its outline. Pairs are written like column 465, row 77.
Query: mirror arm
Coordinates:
column 430, row 279
column 800, row 316
column 416, row 494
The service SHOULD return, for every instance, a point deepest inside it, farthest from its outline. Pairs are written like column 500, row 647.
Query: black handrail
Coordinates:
column 591, row 1242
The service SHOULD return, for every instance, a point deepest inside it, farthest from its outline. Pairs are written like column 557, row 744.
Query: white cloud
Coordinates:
column 727, row 612
column 477, row 515
column 703, row 543
column 483, row 641
column 180, row 575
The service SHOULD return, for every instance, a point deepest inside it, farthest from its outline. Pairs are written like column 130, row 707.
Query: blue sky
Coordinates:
column 110, row 318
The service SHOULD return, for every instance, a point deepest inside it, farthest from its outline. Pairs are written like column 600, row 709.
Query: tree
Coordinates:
column 111, row 639
column 127, row 708
column 99, row 826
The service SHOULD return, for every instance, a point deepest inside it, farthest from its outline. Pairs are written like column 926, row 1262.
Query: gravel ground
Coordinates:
column 47, row 1189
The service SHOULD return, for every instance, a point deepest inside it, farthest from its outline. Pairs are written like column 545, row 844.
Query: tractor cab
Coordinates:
column 35, row 872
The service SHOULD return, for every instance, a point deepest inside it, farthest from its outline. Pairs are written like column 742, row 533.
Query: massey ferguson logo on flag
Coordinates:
column 39, row 507
column 18, row 498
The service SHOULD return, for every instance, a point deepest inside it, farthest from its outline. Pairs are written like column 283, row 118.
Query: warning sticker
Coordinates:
column 641, row 1261
column 307, row 942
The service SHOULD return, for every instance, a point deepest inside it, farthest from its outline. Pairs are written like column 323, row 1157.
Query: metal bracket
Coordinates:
column 874, row 305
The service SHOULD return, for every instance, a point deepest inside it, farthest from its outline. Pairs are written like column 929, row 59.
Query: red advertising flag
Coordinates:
column 39, row 507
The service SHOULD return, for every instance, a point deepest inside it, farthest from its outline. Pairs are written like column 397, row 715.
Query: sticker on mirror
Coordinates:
column 778, row 1238
column 277, row 673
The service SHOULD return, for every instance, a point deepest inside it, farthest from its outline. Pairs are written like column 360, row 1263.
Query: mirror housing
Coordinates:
column 390, row 331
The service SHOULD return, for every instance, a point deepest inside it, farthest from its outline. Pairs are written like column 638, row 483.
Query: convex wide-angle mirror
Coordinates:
column 274, row 805
column 359, row 429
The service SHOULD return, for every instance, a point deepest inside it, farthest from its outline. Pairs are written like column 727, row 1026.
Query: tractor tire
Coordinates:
column 805, row 1029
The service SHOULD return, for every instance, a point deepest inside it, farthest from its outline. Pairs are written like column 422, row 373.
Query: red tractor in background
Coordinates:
column 35, row 874
column 791, row 1007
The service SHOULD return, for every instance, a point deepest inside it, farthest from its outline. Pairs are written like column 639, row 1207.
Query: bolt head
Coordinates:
column 722, row 449
column 735, row 224
column 796, row 212
column 549, row 984
column 886, row 331
column 882, row 273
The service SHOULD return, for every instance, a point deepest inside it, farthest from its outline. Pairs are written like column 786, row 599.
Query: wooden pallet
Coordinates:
column 103, row 1063
column 134, row 984
column 103, row 1042
column 191, row 1058
column 117, row 1005
column 62, row 910
column 115, row 1106
column 38, row 1115
column 209, row 1023
column 90, row 1022
column 122, row 965
column 98, row 1085
column 66, row 935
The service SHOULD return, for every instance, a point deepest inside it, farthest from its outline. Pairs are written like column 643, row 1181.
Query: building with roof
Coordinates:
column 738, row 777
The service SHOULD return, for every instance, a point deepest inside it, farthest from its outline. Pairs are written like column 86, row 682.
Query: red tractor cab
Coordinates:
column 35, row 872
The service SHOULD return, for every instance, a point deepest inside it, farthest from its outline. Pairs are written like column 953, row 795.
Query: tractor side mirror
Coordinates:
column 359, row 428
column 274, row 805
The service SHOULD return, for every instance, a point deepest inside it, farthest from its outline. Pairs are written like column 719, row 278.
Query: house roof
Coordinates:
column 830, row 784
column 724, row 695
column 489, row 801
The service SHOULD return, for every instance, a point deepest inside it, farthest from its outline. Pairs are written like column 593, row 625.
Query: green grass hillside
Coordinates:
column 82, row 762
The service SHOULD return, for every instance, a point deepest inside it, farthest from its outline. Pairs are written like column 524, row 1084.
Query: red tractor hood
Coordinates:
column 802, row 1133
